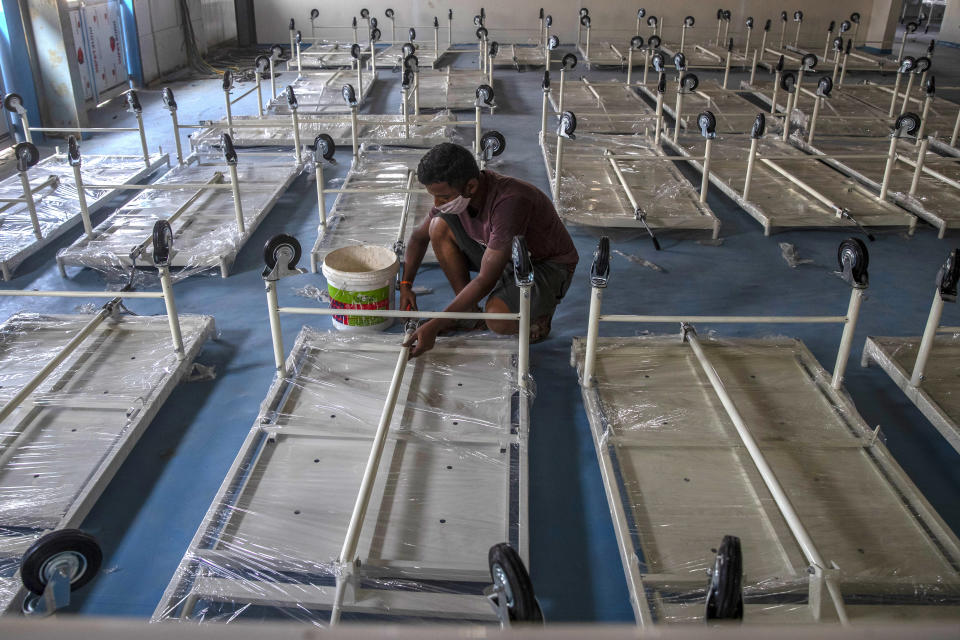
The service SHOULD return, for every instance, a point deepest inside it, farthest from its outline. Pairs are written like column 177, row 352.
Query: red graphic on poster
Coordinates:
column 113, row 43
column 80, row 55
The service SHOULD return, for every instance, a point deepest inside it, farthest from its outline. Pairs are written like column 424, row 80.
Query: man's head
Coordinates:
column 447, row 171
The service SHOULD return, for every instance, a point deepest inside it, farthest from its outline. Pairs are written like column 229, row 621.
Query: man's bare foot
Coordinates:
column 540, row 329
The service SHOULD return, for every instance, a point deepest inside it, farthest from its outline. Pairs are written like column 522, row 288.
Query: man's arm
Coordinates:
column 491, row 268
column 413, row 258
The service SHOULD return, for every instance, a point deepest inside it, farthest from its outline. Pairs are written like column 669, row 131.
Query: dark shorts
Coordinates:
column 550, row 279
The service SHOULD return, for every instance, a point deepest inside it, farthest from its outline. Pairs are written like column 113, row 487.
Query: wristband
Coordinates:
column 407, row 282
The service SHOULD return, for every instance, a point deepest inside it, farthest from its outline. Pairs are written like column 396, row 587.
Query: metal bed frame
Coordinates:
column 213, row 217
column 394, row 561
column 925, row 368
column 602, row 107
column 405, row 129
column 757, row 442
column 808, row 194
column 636, row 198
column 78, row 392
column 35, row 213
column 924, row 184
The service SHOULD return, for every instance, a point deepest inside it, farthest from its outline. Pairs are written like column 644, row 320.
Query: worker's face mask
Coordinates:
column 456, row 206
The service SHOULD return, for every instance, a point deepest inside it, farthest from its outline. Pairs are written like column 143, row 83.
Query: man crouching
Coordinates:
column 475, row 216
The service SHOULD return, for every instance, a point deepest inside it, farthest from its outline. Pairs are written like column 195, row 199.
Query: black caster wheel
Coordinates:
column 507, row 572
column 27, row 155
column 74, row 550
column 494, row 142
column 277, row 246
column 725, row 589
column 853, row 259
column 162, row 241
column 325, row 145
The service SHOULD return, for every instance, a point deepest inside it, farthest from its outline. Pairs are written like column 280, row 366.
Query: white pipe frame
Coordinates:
column 108, row 310
column 820, row 569
column 926, row 342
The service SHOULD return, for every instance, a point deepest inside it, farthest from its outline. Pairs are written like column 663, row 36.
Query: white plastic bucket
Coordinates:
column 361, row 277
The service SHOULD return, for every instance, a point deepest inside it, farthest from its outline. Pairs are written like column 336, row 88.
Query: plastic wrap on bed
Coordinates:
column 776, row 200
column 57, row 203
column 679, row 473
column 320, row 92
column 375, row 218
column 454, row 89
column 61, row 445
column 205, row 235
column 278, row 131
column 447, row 488
column 591, row 192
column 603, row 107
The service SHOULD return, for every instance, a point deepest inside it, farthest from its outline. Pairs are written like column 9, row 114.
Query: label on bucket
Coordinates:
column 343, row 299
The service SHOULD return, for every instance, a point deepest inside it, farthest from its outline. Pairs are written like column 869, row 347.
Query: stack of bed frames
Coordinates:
column 353, row 496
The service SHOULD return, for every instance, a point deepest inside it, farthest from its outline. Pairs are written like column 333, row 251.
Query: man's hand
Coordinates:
column 422, row 339
column 408, row 299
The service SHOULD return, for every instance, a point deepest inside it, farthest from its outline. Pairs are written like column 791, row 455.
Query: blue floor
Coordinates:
column 150, row 511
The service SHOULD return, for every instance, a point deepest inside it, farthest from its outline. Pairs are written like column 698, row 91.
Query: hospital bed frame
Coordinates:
column 925, row 368
column 817, row 195
column 71, row 406
column 51, row 208
column 348, row 582
column 777, row 469
column 637, row 213
column 103, row 248
column 333, row 124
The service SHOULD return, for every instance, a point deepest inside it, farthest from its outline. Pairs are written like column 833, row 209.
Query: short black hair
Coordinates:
column 450, row 163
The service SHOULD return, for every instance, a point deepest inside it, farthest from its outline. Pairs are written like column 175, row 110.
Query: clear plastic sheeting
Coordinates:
column 606, row 54
column 251, row 131
column 936, row 199
column 428, row 57
column 592, row 194
column 320, row 92
column 788, row 193
column 734, row 113
column 453, row 89
column 678, row 479
column 840, row 114
column 858, row 60
column 376, row 218
column 520, row 55
column 603, row 107
column 707, row 56
column 206, row 234
column 451, row 483
column 328, row 55
column 57, row 202
column 63, row 444
column 937, row 395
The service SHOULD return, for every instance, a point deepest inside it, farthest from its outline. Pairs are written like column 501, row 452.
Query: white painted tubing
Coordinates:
column 926, row 342
column 725, row 319
column 80, row 294
column 349, row 549
column 593, row 330
column 398, row 313
column 48, row 368
column 769, row 478
column 846, row 340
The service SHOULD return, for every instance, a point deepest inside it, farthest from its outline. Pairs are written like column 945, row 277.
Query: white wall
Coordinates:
column 515, row 20
column 159, row 25
column 950, row 28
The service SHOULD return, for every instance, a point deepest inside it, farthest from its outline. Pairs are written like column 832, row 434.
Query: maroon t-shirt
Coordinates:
column 506, row 207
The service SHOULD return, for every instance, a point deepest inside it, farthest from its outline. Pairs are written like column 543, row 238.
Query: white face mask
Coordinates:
column 456, row 206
